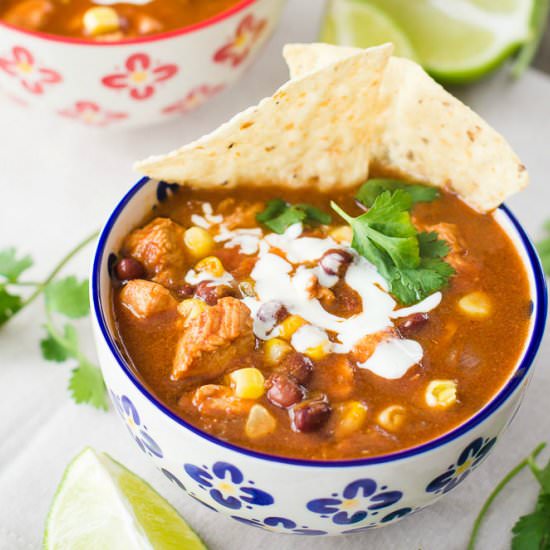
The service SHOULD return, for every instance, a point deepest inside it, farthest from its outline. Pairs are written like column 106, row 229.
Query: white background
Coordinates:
column 59, row 181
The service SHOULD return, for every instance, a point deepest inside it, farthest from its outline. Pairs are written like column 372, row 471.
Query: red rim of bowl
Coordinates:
column 152, row 38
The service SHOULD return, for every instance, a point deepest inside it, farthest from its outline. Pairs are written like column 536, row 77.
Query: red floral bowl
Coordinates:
column 137, row 81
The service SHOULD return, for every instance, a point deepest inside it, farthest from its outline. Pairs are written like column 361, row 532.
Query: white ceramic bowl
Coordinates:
column 133, row 82
column 289, row 495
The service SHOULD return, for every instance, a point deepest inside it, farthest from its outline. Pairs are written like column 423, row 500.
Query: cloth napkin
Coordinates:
column 59, row 181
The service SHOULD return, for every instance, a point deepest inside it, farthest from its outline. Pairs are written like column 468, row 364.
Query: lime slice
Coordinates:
column 362, row 25
column 457, row 41
column 101, row 504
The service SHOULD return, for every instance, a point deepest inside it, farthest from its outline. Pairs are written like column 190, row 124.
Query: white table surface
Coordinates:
column 59, row 181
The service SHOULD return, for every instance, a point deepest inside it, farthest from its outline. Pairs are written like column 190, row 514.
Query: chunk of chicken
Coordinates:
column 159, row 247
column 215, row 400
column 457, row 256
column 343, row 378
column 29, row 14
column 239, row 215
column 212, row 338
column 144, row 298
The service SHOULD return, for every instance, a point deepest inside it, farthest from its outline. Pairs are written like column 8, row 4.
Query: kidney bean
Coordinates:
column 298, row 366
column 211, row 293
column 185, row 291
column 272, row 313
column 335, row 260
column 310, row 415
column 283, row 390
column 127, row 269
column 411, row 325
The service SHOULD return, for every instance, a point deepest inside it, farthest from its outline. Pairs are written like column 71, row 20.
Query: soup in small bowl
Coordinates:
column 119, row 65
column 327, row 355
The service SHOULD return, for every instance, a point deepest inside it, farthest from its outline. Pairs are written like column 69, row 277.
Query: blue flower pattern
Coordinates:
column 468, row 460
column 226, row 485
column 359, row 499
column 275, row 524
column 129, row 414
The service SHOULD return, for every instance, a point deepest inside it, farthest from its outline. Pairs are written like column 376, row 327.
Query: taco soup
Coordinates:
column 280, row 336
column 107, row 20
column 326, row 278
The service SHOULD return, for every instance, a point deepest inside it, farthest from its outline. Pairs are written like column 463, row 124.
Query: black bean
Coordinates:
column 185, row 291
column 211, row 293
column 412, row 324
column 310, row 415
column 283, row 390
column 298, row 366
column 335, row 261
column 128, row 269
column 272, row 313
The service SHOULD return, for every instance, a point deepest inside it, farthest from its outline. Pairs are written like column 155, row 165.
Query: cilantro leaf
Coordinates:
column 314, row 215
column 10, row 304
column 11, row 267
column 532, row 531
column 69, row 297
column 279, row 215
column 385, row 234
column 411, row 262
column 60, row 349
column 289, row 216
column 370, row 190
column 413, row 285
column 87, row 386
column 431, row 246
column 272, row 209
column 543, row 247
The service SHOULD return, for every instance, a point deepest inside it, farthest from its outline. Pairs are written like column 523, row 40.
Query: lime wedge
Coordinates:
column 455, row 40
column 362, row 25
column 101, row 504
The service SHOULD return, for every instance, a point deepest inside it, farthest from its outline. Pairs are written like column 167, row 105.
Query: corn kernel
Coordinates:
column 198, row 241
column 259, row 422
column 318, row 352
column 342, row 234
column 247, row 383
column 350, row 417
column 275, row 349
column 191, row 308
column 441, row 393
column 290, row 325
column 211, row 265
column 100, row 20
column 392, row 417
column 476, row 304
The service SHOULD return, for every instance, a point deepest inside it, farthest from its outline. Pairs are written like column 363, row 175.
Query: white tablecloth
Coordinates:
column 59, row 181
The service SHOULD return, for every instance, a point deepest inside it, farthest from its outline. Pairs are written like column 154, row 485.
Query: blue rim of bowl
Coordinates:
column 540, row 312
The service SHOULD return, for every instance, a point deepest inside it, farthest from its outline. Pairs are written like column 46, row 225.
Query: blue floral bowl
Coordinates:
column 285, row 495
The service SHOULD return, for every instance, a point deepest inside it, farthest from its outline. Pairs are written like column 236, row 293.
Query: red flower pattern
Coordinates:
column 92, row 114
column 246, row 35
column 196, row 97
column 140, row 76
column 23, row 66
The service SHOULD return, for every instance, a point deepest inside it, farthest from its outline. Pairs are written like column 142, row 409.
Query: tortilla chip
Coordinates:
column 313, row 131
column 425, row 134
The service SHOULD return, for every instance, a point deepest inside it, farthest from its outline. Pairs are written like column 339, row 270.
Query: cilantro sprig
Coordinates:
column 279, row 215
column 65, row 298
column 531, row 531
column 543, row 246
column 410, row 261
column 371, row 189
